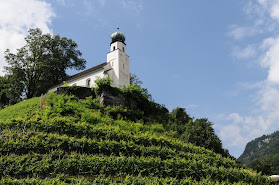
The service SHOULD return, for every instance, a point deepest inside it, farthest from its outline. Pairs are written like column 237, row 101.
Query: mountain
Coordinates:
column 78, row 141
column 262, row 154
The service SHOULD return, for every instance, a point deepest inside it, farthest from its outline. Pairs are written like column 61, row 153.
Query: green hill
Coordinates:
column 262, row 154
column 22, row 109
column 78, row 141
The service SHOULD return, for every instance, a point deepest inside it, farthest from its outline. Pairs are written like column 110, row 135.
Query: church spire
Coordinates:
column 118, row 37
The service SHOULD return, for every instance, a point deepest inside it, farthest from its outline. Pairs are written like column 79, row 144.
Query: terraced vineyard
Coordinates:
column 72, row 141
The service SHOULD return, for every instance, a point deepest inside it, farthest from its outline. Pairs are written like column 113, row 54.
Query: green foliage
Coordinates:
column 135, row 81
column 42, row 62
column 22, row 109
column 103, row 84
column 180, row 119
column 268, row 165
column 4, row 100
column 201, row 133
column 10, row 91
column 261, row 154
column 106, row 81
column 260, row 147
column 76, row 141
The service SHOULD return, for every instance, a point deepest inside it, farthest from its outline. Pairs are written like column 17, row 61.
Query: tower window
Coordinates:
column 123, row 49
column 88, row 82
column 123, row 66
column 113, row 48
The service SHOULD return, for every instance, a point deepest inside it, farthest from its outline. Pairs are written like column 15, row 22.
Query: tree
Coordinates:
column 10, row 93
column 42, row 62
column 265, row 165
column 4, row 100
column 201, row 133
column 135, row 81
column 180, row 119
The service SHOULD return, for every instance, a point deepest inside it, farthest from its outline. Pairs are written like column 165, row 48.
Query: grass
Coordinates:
column 22, row 109
column 74, row 141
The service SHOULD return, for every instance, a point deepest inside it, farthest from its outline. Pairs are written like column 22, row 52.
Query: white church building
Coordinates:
column 116, row 67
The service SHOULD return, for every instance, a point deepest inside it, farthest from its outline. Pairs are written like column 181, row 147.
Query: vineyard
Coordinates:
column 74, row 141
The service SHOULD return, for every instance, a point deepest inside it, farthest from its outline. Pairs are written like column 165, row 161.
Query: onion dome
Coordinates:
column 117, row 37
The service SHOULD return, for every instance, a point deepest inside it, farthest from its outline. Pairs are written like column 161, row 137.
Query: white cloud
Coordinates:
column 237, row 129
column 133, row 5
column 191, row 106
column 270, row 58
column 244, row 53
column 272, row 7
column 16, row 17
column 239, row 32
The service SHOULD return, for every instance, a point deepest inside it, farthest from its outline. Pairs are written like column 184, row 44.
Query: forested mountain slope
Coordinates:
column 76, row 141
column 262, row 154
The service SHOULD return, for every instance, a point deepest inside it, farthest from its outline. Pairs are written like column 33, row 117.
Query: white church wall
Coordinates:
column 117, row 66
column 124, row 69
column 82, row 80
column 120, row 64
column 112, row 58
column 118, row 45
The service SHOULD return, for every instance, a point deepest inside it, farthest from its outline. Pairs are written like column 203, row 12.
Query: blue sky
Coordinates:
column 217, row 59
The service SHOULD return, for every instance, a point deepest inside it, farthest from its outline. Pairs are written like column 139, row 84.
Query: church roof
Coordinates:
column 117, row 36
column 95, row 68
column 87, row 71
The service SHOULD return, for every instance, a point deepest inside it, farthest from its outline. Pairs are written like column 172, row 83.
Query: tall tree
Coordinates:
column 42, row 62
column 180, row 119
column 201, row 133
column 10, row 92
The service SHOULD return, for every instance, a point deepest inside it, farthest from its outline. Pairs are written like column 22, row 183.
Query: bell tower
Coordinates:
column 118, row 60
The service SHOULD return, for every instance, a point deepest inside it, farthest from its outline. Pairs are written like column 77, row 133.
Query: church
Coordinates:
column 116, row 67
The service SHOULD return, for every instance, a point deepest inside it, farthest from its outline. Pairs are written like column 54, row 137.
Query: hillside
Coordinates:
column 76, row 141
column 262, row 153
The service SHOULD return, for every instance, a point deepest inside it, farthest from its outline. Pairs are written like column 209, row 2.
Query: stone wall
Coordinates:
column 80, row 92
column 107, row 97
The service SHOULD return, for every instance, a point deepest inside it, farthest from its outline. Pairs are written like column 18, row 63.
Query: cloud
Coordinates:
column 263, row 17
column 272, row 8
column 236, row 128
column 242, row 129
column 16, row 17
column 245, row 53
column 62, row 2
column 133, row 5
column 191, row 106
column 270, row 58
column 102, row 2
column 239, row 32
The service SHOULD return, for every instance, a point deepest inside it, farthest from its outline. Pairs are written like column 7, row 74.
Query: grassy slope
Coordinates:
column 22, row 109
column 74, row 141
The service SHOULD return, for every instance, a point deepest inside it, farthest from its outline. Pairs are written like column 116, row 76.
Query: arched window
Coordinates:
column 123, row 49
column 113, row 48
column 88, row 81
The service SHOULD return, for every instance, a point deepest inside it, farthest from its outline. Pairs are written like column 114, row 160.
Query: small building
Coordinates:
column 117, row 67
